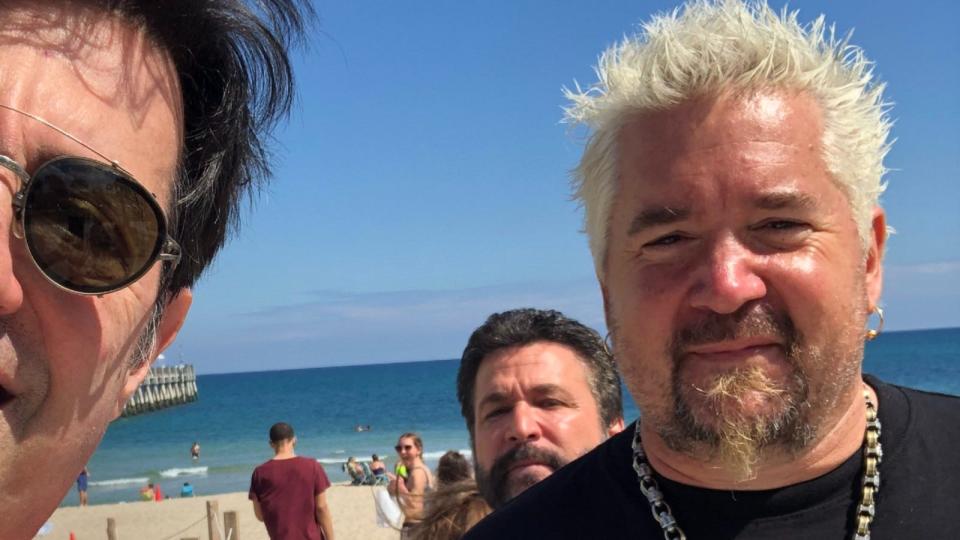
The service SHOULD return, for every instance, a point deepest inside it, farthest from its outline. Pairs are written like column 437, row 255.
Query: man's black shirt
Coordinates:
column 597, row 496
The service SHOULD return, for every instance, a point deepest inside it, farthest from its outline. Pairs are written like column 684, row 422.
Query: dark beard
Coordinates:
column 493, row 485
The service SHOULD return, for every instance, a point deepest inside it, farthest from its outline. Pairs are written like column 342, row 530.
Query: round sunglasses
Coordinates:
column 89, row 227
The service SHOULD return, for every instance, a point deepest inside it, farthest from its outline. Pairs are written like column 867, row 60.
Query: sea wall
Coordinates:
column 164, row 386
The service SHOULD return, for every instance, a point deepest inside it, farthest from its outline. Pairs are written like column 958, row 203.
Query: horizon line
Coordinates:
column 423, row 361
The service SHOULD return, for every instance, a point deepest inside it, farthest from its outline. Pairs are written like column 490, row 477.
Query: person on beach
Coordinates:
column 731, row 188
column 186, row 490
column 289, row 491
column 453, row 468
column 379, row 470
column 377, row 467
column 355, row 470
column 410, row 489
column 537, row 390
column 148, row 492
column 82, row 480
column 456, row 504
column 195, row 451
column 130, row 133
column 451, row 511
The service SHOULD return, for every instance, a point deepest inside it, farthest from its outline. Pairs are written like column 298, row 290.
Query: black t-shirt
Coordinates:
column 597, row 496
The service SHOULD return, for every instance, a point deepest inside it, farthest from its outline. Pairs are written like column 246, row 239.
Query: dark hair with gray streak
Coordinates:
column 236, row 82
column 520, row 327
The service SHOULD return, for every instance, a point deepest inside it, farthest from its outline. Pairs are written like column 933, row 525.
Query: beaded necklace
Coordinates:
column 872, row 454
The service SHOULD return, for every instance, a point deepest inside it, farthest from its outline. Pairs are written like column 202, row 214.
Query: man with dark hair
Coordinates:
column 288, row 492
column 129, row 133
column 537, row 390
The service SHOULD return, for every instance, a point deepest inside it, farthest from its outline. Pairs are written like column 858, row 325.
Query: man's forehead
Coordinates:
column 761, row 136
column 99, row 40
column 117, row 77
column 721, row 117
column 541, row 362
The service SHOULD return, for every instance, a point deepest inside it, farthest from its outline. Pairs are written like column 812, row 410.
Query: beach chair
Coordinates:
column 369, row 479
column 363, row 477
column 356, row 477
column 381, row 479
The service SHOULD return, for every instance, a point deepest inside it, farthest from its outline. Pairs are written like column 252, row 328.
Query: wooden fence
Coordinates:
column 228, row 529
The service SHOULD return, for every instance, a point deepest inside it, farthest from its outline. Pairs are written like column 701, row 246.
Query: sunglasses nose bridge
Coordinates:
column 11, row 292
column 11, row 165
column 16, row 187
column 19, row 176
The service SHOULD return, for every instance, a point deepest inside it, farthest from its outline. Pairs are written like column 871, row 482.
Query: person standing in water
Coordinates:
column 82, row 486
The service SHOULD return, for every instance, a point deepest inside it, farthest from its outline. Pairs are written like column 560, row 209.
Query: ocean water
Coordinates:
column 235, row 411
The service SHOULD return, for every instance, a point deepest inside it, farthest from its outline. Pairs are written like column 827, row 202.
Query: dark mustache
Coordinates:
column 751, row 320
column 493, row 485
column 503, row 464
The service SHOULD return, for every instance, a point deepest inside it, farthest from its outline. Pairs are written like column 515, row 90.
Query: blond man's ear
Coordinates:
column 874, row 266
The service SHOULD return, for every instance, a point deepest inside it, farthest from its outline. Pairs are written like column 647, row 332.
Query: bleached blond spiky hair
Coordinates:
column 710, row 46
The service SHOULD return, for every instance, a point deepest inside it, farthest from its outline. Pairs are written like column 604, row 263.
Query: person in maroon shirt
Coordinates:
column 288, row 492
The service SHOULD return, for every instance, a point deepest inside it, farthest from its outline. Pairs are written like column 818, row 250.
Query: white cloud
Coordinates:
column 336, row 327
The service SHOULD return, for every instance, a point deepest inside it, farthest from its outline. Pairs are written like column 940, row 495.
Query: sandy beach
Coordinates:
column 354, row 517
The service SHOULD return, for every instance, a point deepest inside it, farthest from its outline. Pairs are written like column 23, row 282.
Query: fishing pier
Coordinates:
column 164, row 386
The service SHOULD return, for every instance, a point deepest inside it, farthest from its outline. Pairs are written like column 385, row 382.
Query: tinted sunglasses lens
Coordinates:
column 89, row 228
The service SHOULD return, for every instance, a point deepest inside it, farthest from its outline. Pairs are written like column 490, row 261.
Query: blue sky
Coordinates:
column 422, row 180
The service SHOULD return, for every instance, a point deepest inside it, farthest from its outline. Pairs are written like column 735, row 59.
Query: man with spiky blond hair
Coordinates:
column 731, row 187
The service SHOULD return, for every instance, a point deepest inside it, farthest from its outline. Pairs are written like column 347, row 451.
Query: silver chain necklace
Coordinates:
column 872, row 454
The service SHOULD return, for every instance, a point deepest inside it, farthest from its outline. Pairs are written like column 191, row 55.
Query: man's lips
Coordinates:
column 735, row 353
column 738, row 346
column 527, row 463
